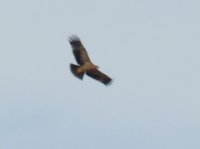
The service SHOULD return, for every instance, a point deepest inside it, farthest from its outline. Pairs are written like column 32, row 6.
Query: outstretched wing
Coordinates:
column 79, row 51
column 98, row 75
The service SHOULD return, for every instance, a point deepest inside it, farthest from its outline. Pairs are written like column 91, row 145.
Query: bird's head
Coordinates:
column 96, row 66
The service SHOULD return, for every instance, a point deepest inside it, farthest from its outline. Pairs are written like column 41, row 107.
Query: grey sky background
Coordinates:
column 150, row 48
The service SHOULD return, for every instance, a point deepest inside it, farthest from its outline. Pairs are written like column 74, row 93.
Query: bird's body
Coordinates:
column 86, row 67
column 85, row 64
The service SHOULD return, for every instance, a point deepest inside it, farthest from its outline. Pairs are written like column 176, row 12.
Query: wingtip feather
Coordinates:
column 108, row 82
column 73, row 38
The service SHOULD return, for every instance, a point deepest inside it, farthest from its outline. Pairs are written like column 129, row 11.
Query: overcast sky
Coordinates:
column 151, row 48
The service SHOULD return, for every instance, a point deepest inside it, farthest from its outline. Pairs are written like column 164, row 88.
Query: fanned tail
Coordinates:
column 74, row 69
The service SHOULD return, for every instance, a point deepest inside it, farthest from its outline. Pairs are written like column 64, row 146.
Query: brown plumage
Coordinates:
column 85, row 65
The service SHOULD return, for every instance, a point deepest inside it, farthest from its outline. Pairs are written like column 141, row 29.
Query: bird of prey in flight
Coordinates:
column 85, row 64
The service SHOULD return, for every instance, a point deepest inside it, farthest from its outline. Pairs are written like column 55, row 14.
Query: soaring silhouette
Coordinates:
column 85, row 64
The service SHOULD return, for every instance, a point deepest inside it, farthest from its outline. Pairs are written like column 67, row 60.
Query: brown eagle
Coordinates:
column 85, row 65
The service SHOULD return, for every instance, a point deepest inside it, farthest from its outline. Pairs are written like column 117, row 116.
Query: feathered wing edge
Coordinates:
column 73, row 38
column 99, row 76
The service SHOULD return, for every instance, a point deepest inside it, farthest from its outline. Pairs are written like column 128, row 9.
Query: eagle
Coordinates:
column 85, row 64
